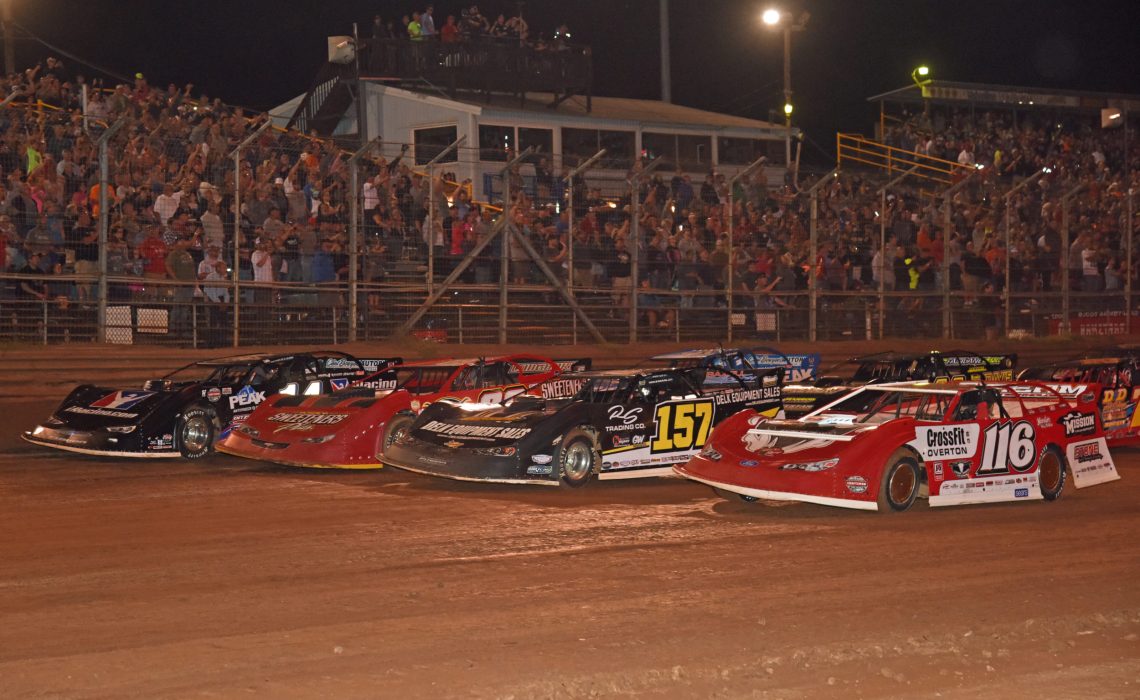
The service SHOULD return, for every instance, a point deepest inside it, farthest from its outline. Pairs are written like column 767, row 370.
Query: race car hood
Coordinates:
column 778, row 438
column 318, row 416
column 88, row 408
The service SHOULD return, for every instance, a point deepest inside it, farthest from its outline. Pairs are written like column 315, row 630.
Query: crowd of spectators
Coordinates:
column 471, row 25
column 171, row 204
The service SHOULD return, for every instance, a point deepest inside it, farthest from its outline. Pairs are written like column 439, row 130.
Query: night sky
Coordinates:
column 258, row 53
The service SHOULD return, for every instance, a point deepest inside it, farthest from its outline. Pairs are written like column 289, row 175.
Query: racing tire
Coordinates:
column 734, row 496
column 396, row 429
column 1051, row 473
column 195, row 432
column 900, row 483
column 577, row 458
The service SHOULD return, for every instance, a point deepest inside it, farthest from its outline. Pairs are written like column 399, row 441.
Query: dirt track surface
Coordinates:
column 228, row 578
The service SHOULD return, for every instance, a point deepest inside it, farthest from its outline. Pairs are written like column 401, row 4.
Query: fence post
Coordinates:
column 431, row 208
column 883, row 259
column 1066, row 283
column 947, row 224
column 569, row 180
column 729, row 276
column 354, row 235
column 235, row 276
column 635, row 233
column 813, row 251
column 104, row 219
column 1128, row 264
column 1008, row 248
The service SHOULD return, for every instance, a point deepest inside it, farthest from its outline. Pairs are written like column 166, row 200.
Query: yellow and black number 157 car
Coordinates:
column 619, row 424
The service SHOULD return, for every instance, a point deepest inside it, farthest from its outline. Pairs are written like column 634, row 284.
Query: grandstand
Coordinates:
column 965, row 215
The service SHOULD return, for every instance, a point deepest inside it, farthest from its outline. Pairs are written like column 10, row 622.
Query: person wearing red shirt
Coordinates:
column 153, row 251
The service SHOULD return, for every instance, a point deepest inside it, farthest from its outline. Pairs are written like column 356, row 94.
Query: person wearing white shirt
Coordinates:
column 167, row 203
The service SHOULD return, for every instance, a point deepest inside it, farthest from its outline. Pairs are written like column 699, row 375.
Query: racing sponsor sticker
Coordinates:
column 1076, row 423
column 122, row 400
column 938, row 472
column 946, row 441
column 1090, row 462
column 561, row 388
column 213, row 394
column 306, row 418
column 107, row 412
column 856, row 484
column 340, row 363
column 747, row 395
column 477, row 432
column 961, row 469
column 248, row 396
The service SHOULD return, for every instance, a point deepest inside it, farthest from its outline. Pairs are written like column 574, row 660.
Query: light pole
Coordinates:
column 774, row 18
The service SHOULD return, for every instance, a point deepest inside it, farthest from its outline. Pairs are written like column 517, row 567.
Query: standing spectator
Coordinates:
column 262, row 261
column 85, row 242
column 449, row 32
column 167, row 203
column 153, row 252
column 415, row 29
column 212, row 269
column 427, row 23
column 181, row 268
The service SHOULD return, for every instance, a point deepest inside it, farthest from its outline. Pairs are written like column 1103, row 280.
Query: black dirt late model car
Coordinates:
column 185, row 412
column 952, row 365
column 619, row 424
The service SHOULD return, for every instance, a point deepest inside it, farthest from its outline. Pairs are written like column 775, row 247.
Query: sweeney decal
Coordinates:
column 561, row 388
column 301, row 418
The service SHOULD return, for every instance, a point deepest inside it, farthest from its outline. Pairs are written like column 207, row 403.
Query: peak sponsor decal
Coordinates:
column 1078, row 423
column 248, row 396
column 946, row 441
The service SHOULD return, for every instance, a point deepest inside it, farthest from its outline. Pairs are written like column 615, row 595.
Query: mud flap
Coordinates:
column 1090, row 462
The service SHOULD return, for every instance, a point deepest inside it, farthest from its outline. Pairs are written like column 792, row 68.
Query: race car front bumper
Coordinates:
column 94, row 442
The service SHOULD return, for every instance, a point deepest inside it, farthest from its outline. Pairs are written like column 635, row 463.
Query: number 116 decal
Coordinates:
column 1008, row 445
column 682, row 425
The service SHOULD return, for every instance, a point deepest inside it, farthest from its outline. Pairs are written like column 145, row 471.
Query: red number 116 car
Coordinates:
column 882, row 446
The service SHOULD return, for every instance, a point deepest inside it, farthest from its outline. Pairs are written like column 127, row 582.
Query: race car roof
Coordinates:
column 694, row 354
column 245, row 359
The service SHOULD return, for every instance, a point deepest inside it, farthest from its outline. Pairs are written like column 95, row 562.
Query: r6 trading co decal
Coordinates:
column 682, row 425
column 1008, row 445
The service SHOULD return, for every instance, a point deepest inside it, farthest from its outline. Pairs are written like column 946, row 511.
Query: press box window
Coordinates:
column 430, row 143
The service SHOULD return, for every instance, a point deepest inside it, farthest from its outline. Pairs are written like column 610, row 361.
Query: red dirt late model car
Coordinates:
column 881, row 446
column 350, row 428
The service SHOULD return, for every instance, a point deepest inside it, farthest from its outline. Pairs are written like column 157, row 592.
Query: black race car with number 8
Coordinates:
column 185, row 412
column 620, row 424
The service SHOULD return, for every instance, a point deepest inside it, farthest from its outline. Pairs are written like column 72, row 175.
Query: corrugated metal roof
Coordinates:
column 625, row 109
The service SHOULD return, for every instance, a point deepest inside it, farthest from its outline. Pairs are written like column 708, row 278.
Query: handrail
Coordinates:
column 857, row 148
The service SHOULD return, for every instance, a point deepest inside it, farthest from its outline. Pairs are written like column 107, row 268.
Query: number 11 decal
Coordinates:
column 1008, row 445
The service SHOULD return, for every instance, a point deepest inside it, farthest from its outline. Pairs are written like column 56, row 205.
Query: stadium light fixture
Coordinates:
column 921, row 78
column 776, row 18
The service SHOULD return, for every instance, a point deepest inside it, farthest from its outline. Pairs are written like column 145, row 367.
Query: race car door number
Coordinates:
column 682, row 425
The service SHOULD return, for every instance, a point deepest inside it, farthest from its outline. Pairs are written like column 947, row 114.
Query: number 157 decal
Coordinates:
column 682, row 425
